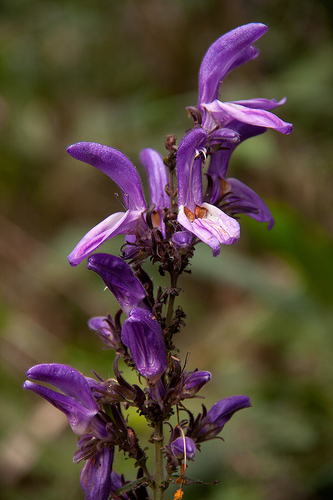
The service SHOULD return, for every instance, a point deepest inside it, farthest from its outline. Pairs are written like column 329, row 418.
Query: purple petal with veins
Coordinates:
column 225, row 112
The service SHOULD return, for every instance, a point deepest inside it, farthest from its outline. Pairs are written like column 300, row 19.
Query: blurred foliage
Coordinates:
column 259, row 316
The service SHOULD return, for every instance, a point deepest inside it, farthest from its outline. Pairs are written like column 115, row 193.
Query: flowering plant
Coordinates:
column 165, row 231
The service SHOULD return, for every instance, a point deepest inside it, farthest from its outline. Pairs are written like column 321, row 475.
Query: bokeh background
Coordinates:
column 260, row 315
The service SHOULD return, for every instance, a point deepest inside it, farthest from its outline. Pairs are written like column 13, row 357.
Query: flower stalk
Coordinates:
column 164, row 230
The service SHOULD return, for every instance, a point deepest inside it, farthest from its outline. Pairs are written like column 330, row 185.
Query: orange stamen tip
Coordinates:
column 200, row 212
column 189, row 214
column 179, row 494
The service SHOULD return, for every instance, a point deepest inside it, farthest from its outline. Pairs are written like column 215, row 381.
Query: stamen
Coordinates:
column 201, row 152
column 189, row 214
column 200, row 212
column 116, row 195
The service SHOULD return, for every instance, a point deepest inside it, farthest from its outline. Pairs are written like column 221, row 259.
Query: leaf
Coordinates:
column 133, row 485
column 188, row 480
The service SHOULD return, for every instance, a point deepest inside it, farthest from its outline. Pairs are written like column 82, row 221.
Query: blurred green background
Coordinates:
column 260, row 315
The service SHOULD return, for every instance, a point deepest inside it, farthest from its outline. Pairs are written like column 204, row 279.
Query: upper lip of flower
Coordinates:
column 122, row 171
column 227, row 53
column 119, row 278
column 76, row 402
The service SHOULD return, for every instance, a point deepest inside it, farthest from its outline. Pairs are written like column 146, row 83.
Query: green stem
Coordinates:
column 158, row 476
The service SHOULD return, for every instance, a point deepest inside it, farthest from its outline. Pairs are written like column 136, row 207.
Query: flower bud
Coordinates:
column 103, row 329
column 177, row 448
column 219, row 414
column 182, row 241
column 142, row 334
column 119, row 278
column 194, row 382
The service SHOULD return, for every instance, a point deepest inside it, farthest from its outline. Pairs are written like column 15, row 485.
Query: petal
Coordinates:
column 142, row 334
column 119, row 278
column 261, row 103
column 95, row 479
column 177, row 448
column 189, row 169
column 195, row 381
column 118, row 223
column 227, row 53
column 102, row 328
column 224, row 112
column 224, row 409
column 224, row 135
column 182, row 241
column 246, row 56
column 68, row 380
column 100, row 324
column 215, row 229
column 158, row 177
column 220, row 413
column 240, row 191
column 79, row 416
column 117, row 166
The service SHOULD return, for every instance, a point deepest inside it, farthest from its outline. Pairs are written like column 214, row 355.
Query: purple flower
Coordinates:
column 219, row 414
column 182, row 241
column 194, row 382
column 228, row 52
column 77, row 402
column 102, row 327
column 207, row 222
column 95, row 479
column 122, row 171
column 142, row 334
column 177, row 448
column 119, row 278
